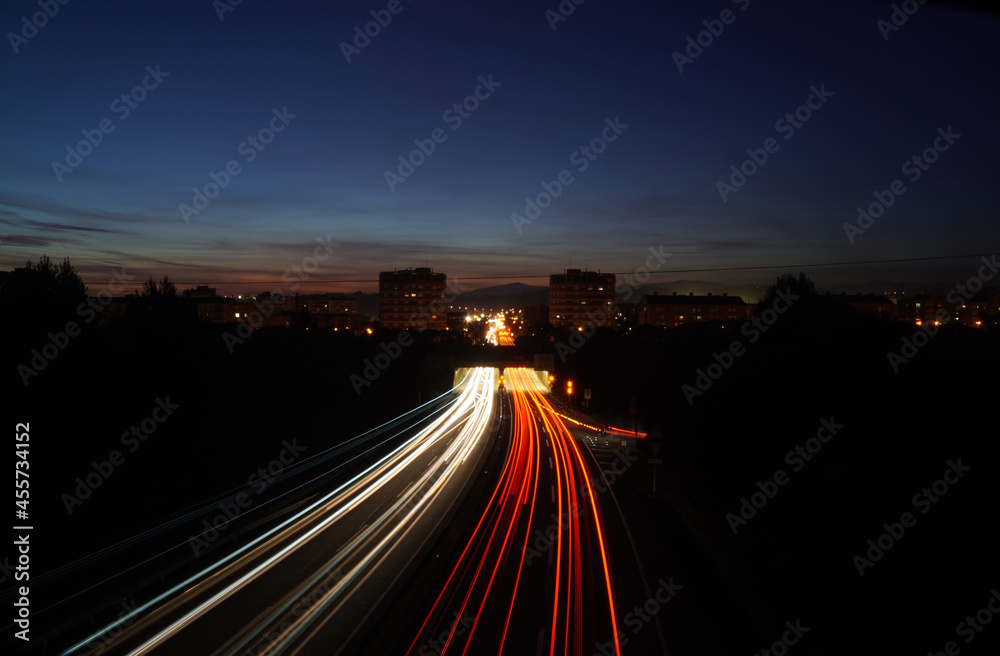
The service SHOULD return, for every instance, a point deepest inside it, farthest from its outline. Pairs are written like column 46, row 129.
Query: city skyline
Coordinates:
column 642, row 280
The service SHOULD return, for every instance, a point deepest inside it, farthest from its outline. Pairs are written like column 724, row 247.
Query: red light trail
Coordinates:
column 503, row 579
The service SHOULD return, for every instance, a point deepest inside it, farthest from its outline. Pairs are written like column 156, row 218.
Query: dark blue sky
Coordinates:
column 323, row 175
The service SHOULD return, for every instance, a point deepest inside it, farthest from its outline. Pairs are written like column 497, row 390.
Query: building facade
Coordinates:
column 674, row 310
column 921, row 309
column 578, row 298
column 320, row 304
column 976, row 312
column 412, row 299
column 332, row 311
column 535, row 315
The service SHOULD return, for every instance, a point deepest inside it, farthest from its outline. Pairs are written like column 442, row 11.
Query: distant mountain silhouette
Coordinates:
column 509, row 289
column 515, row 295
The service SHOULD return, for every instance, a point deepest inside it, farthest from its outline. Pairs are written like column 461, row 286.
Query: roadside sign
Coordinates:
column 655, row 461
column 655, row 440
column 586, row 393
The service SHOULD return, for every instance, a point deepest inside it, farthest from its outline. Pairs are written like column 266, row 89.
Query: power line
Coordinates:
column 308, row 281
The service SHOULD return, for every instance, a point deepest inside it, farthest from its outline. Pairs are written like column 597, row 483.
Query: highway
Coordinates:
column 534, row 576
column 313, row 583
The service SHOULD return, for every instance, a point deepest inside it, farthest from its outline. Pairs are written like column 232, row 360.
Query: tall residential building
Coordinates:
column 535, row 315
column 577, row 298
column 412, row 299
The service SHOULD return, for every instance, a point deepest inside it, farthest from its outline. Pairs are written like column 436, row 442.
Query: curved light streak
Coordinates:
column 470, row 412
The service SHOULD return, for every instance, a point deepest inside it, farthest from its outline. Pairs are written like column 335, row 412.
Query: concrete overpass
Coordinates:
column 502, row 357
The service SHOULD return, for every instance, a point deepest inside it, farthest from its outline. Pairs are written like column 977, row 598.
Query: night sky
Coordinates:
column 550, row 92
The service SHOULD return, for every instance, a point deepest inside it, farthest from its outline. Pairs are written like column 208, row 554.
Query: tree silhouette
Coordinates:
column 166, row 289
column 44, row 295
column 787, row 284
column 159, row 305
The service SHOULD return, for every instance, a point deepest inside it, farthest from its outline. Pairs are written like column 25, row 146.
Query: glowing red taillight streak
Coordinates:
column 518, row 486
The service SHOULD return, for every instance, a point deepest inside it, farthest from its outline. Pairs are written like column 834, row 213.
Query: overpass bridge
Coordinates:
column 502, row 357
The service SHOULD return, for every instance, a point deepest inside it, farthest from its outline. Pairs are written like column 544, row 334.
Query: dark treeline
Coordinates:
column 902, row 420
column 84, row 384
